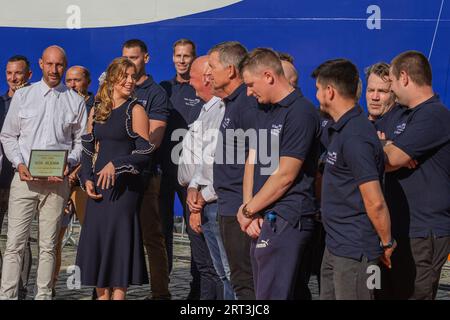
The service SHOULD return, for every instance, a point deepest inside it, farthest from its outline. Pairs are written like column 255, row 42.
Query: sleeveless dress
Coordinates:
column 110, row 251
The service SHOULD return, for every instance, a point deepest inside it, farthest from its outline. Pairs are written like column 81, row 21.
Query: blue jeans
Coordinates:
column 211, row 231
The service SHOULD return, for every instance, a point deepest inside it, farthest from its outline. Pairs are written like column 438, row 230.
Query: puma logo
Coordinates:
column 263, row 244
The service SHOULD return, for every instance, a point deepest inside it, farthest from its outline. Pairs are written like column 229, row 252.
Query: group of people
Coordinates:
column 273, row 188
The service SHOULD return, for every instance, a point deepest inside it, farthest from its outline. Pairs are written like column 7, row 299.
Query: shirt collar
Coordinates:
column 207, row 106
column 290, row 98
column 174, row 82
column 147, row 83
column 353, row 112
column 45, row 89
column 235, row 93
column 434, row 99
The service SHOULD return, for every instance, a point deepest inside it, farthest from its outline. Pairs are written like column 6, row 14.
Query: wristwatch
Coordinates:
column 246, row 213
column 388, row 245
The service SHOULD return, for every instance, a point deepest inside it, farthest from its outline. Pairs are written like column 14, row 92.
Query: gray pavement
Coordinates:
column 179, row 279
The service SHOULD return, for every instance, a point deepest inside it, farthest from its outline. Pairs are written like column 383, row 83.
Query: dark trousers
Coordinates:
column 416, row 269
column 279, row 259
column 430, row 255
column 237, row 246
column 170, row 186
column 205, row 281
column 27, row 259
column 345, row 278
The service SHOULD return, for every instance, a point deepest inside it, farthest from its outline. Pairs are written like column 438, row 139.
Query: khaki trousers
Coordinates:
column 49, row 198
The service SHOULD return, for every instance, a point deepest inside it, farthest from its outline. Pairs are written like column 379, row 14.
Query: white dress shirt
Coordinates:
column 199, row 146
column 44, row 118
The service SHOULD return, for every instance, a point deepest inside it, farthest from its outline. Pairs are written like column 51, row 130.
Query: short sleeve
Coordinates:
column 423, row 133
column 300, row 132
column 159, row 106
column 361, row 157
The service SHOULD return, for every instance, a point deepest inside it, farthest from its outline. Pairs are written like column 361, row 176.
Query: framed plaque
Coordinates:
column 47, row 163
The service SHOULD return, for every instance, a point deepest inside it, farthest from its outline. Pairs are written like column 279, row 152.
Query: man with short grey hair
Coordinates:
column 47, row 116
column 224, row 60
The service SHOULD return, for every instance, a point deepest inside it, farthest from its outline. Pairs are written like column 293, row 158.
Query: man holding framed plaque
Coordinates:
column 41, row 137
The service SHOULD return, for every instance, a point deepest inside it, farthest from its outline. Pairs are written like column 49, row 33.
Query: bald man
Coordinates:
column 46, row 116
column 290, row 72
column 78, row 78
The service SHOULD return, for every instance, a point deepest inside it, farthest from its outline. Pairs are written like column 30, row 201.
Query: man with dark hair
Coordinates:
column 279, row 206
column 224, row 60
column 186, row 108
column 354, row 213
column 18, row 74
column 422, row 135
column 155, row 101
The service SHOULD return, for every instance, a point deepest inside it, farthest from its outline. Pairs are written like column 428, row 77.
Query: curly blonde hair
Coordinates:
column 115, row 73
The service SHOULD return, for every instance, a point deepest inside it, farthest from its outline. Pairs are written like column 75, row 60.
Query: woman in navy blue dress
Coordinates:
column 110, row 253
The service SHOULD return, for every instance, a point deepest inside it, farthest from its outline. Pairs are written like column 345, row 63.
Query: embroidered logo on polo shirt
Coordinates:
column 262, row 244
column 142, row 102
column 276, row 129
column 226, row 122
column 400, row 128
column 324, row 123
column 331, row 158
column 191, row 102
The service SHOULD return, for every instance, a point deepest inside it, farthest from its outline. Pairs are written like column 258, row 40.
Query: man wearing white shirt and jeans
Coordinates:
column 47, row 116
column 196, row 170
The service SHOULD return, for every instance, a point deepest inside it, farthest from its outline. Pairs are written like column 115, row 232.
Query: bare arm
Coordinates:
column 248, row 176
column 395, row 158
column 277, row 184
column 140, row 122
column 157, row 129
column 376, row 209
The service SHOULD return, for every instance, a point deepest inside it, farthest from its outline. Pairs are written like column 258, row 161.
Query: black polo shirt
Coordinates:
column 354, row 156
column 240, row 113
column 424, row 134
column 290, row 128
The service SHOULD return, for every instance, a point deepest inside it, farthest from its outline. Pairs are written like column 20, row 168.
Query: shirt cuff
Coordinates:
column 193, row 184
column 72, row 162
column 208, row 194
column 17, row 161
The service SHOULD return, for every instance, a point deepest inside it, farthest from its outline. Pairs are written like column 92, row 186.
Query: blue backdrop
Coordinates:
column 312, row 31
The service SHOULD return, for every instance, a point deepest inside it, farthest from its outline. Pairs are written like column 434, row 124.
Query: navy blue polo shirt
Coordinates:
column 2, row 111
column 90, row 102
column 7, row 101
column 393, row 193
column 290, row 128
column 240, row 113
column 354, row 156
column 7, row 171
column 186, row 109
column 424, row 134
column 154, row 99
column 157, row 105
column 186, row 104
